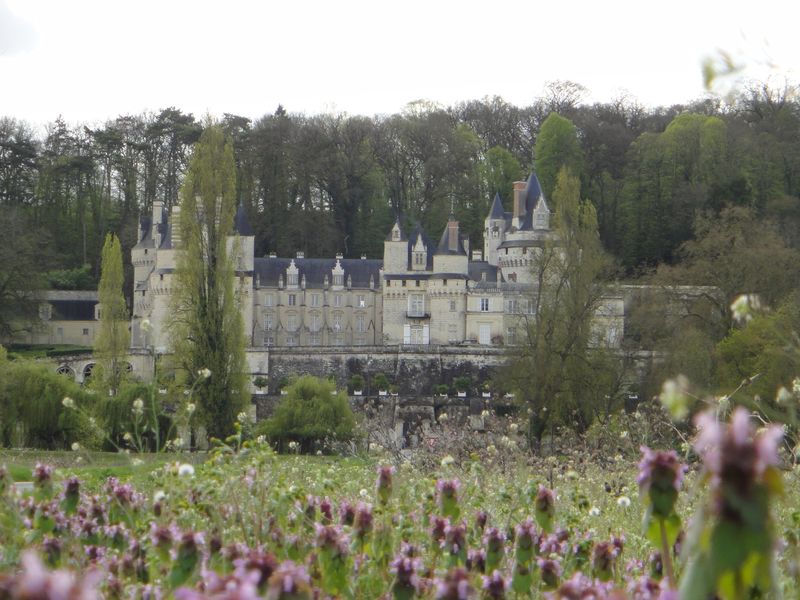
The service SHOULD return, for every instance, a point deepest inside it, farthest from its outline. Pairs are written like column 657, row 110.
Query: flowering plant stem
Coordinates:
column 666, row 555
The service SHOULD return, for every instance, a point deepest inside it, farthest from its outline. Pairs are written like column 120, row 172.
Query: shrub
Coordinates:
column 381, row 382
column 32, row 412
column 312, row 414
column 462, row 383
column 357, row 382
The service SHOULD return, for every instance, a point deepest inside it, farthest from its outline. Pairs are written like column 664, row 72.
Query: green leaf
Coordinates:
column 672, row 527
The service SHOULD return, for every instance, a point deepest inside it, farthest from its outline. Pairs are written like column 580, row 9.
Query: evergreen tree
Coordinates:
column 113, row 340
column 207, row 329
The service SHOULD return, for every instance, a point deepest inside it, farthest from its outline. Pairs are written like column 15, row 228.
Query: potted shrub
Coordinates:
column 441, row 389
column 357, row 384
column 394, row 389
column 381, row 382
column 485, row 390
column 282, row 383
column 260, row 383
column 462, row 386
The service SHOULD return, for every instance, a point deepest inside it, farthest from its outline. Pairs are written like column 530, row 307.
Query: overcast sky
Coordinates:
column 90, row 60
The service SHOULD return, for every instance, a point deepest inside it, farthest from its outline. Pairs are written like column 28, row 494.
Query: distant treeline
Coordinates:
column 334, row 183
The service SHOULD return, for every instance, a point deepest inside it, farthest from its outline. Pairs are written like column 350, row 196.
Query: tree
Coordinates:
column 114, row 336
column 551, row 370
column 312, row 414
column 767, row 347
column 207, row 331
column 22, row 251
column 557, row 147
column 737, row 254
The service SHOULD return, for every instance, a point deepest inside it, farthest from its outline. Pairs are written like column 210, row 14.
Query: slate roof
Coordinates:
column 146, row 229
column 241, row 224
column 72, row 310
column 496, row 211
column 444, row 244
column 477, row 268
column 537, row 243
column 269, row 270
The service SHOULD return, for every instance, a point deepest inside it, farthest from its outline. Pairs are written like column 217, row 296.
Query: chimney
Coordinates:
column 158, row 213
column 339, row 256
column 519, row 199
column 301, row 254
column 273, row 255
column 452, row 235
column 176, row 227
column 363, row 257
column 477, row 255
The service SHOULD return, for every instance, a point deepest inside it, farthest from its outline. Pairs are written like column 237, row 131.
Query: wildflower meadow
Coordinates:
column 250, row 523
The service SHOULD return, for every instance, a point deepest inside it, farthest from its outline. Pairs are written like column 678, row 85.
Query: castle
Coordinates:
column 421, row 293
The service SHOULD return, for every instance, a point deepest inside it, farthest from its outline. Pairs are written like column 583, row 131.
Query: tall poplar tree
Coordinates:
column 561, row 370
column 207, row 329
column 114, row 337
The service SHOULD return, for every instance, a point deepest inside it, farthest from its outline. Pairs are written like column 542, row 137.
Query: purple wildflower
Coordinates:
column 384, row 483
column 289, row 581
column 495, row 586
column 550, row 572
column 455, row 586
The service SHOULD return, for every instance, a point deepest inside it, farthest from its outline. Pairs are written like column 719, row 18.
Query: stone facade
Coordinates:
column 65, row 317
column 420, row 294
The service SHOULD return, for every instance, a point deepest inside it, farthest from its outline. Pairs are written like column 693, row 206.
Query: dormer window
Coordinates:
column 338, row 279
column 419, row 258
column 292, row 275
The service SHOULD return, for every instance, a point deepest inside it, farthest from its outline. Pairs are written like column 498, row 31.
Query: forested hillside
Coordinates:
column 328, row 183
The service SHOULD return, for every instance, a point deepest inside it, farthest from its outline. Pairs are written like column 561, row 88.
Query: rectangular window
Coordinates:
column 314, row 323
column 452, row 306
column 337, row 321
column 338, row 339
column 417, row 282
column 85, row 332
column 484, row 305
column 268, row 300
column 291, row 279
column 291, row 340
column 338, row 279
column 404, row 283
column 416, row 305
column 269, row 340
column 512, row 306
column 337, row 300
column 452, row 333
column 45, row 311
column 314, row 299
column 362, row 301
column 360, row 326
column 511, row 335
column 291, row 323
column 360, row 340
column 292, row 300
column 268, row 324
column 315, row 339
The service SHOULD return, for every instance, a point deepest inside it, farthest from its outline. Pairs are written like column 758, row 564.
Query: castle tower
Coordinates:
column 395, row 250
column 494, row 232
